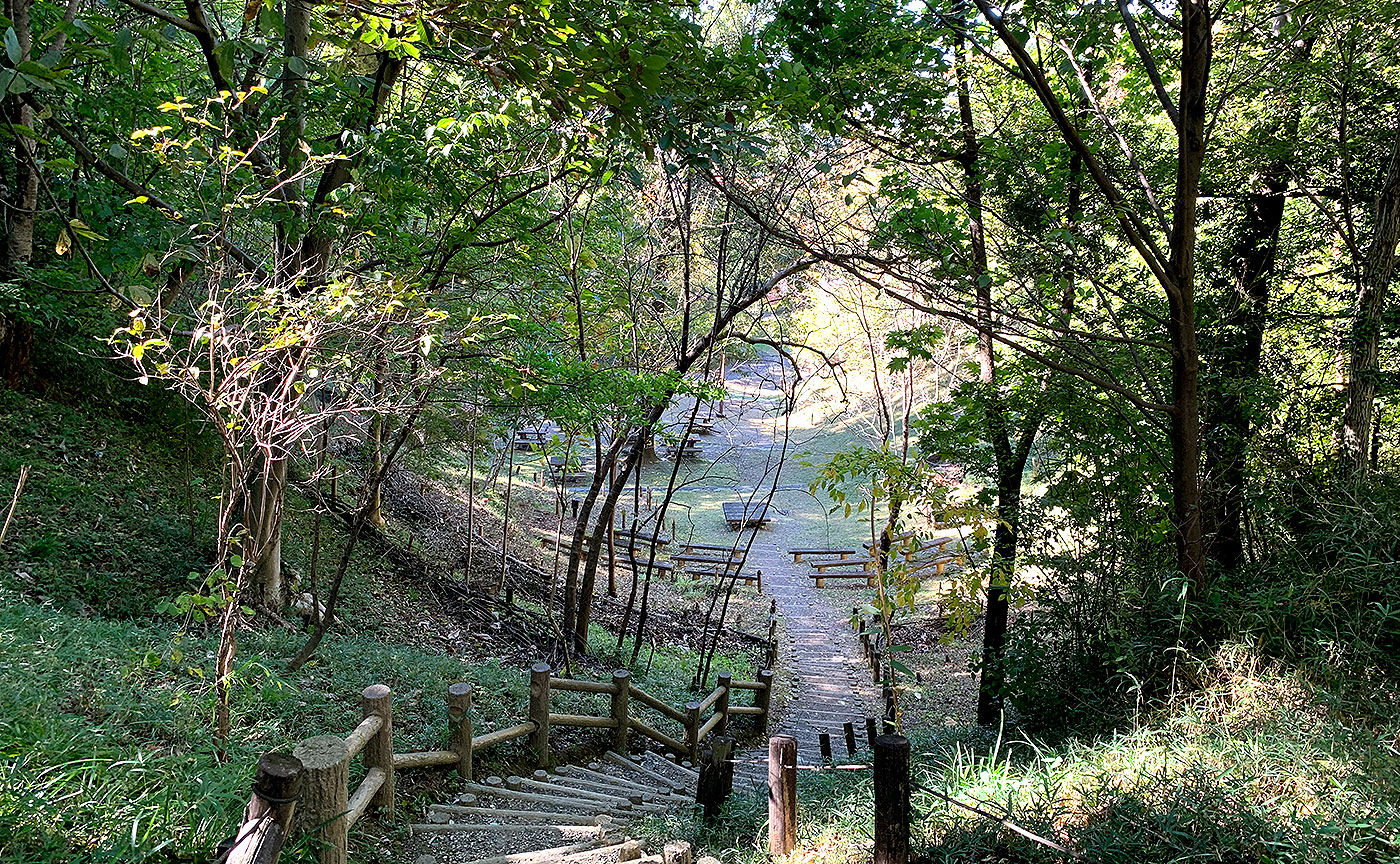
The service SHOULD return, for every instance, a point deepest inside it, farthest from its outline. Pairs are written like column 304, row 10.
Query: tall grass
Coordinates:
column 1257, row 767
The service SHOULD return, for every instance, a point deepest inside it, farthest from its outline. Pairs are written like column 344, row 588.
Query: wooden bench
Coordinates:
column 704, row 561
column 694, row 548
column 625, row 536
column 739, row 515
column 798, row 553
column 638, row 565
column 867, row 576
column 863, row 563
column 902, row 546
column 937, row 564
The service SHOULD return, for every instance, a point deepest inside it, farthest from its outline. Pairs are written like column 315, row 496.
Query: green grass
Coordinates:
column 1258, row 767
column 104, row 726
column 106, row 707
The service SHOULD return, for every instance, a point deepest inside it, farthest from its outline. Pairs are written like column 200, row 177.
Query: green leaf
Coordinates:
column 12, row 45
column 235, row 560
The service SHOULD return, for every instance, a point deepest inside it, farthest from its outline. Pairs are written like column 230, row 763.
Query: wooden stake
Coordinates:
column 850, row 731
column 622, row 680
column 872, row 731
column 716, row 777
column 763, row 698
column 267, row 820
column 891, row 799
column 379, row 752
column 782, row 795
column 725, row 680
column 320, row 812
column 539, row 712
column 825, row 739
column 459, row 726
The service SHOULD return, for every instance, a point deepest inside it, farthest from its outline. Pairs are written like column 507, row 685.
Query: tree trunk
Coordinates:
column 1181, row 270
column 1238, row 352
column 21, row 200
column 264, row 524
column 1363, row 361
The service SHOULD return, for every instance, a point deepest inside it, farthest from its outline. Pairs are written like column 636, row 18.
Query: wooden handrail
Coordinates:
column 572, row 685
column 652, row 702
column 359, row 737
column 659, row 736
column 582, row 720
column 359, row 802
column 425, row 759
column 510, row 733
column 712, row 698
column 328, row 809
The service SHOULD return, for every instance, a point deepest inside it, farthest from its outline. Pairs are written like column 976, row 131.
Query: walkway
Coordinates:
column 828, row 681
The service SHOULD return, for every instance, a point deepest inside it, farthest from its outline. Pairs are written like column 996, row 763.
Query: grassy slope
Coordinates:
column 1257, row 767
column 105, row 706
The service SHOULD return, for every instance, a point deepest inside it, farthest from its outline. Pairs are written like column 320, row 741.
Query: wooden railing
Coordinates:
column 325, row 808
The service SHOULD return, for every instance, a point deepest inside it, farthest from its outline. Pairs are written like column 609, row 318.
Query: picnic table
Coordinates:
column 740, row 515
column 529, row 439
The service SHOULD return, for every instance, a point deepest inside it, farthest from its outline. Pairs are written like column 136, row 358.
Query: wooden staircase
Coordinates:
column 572, row 814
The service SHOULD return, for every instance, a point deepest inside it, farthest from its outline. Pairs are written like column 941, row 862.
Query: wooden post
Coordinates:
column 891, row 799
column 782, row 795
column 825, row 739
column 876, row 661
column 539, row 712
column 320, row 813
column 692, row 730
column 872, row 731
column 850, row 730
column 379, row 752
column 622, row 679
column 459, row 726
column 716, row 777
column 763, row 697
column 889, row 710
column 267, row 821
column 725, row 680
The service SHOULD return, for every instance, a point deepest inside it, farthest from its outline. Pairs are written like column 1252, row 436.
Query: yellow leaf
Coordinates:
column 64, row 243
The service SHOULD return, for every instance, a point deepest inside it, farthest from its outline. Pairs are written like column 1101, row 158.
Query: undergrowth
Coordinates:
column 1256, row 767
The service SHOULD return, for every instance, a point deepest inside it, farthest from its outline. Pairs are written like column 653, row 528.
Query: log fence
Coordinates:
column 312, row 784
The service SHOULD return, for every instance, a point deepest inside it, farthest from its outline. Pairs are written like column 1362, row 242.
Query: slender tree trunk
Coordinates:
column 1238, row 354
column 21, row 200
column 1181, row 267
column 265, row 532
column 995, row 419
column 1363, row 360
column 576, row 556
